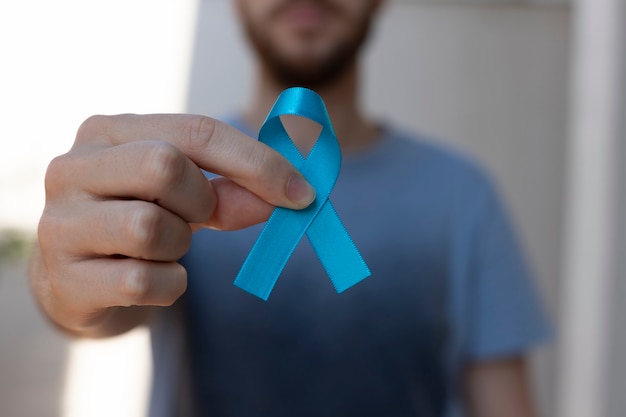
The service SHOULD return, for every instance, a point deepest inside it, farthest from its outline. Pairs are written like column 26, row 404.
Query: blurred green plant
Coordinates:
column 15, row 244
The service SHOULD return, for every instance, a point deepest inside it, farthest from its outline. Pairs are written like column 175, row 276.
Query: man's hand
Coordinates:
column 122, row 204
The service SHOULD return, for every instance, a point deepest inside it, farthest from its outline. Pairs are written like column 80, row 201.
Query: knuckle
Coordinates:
column 54, row 180
column 143, row 285
column 58, row 279
column 95, row 125
column 197, row 133
column 53, row 224
column 143, row 226
column 47, row 227
column 165, row 165
column 136, row 284
column 57, row 287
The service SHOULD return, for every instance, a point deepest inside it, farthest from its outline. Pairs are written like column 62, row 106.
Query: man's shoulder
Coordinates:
column 434, row 154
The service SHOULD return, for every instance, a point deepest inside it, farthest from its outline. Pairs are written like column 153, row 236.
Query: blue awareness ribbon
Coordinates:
column 284, row 229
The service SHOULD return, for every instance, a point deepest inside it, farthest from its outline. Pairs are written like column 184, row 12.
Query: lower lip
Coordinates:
column 304, row 16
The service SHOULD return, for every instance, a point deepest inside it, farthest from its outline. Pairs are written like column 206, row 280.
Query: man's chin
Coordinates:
column 305, row 76
column 308, row 71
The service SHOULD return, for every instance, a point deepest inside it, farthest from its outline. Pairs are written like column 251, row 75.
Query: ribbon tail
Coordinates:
column 272, row 250
column 336, row 250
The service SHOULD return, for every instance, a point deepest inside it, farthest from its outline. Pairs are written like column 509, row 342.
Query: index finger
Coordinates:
column 213, row 146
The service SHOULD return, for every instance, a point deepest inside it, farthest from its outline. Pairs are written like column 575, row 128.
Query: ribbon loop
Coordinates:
column 285, row 227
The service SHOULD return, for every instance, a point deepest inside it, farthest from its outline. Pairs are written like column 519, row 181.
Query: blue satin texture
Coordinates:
column 284, row 229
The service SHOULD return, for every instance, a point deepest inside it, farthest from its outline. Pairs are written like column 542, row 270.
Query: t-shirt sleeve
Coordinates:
column 501, row 311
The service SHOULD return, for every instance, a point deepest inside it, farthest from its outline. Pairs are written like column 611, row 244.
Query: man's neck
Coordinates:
column 354, row 132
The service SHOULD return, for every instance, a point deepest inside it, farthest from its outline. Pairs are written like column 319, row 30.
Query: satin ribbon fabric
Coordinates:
column 284, row 229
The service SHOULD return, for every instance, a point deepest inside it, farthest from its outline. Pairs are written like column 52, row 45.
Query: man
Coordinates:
column 440, row 327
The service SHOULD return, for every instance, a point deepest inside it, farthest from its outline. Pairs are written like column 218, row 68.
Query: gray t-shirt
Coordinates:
column 448, row 285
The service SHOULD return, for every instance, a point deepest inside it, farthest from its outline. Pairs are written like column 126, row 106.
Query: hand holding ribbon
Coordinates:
column 284, row 229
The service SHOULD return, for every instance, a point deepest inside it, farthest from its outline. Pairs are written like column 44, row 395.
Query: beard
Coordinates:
column 311, row 70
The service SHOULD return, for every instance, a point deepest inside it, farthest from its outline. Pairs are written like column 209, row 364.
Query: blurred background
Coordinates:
column 533, row 89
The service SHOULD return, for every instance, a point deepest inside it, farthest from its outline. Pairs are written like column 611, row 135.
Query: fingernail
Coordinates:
column 300, row 191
